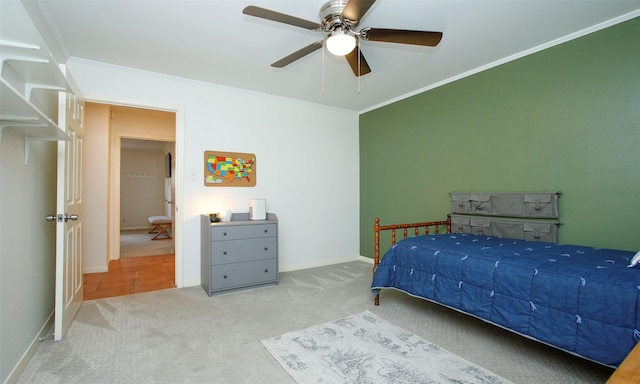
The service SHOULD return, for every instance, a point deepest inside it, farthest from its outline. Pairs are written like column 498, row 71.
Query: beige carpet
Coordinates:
column 184, row 336
column 138, row 243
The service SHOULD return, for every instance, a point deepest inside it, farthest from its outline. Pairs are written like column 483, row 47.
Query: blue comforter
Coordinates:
column 580, row 299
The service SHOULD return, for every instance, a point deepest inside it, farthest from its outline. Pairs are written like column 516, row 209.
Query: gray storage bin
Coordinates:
column 480, row 204
column 460, row 224
column 480, row 226
column 460, row 203
column 531, row 204
column 507, row 204
column 510, row 229
column 541, row 232
column 543, row 205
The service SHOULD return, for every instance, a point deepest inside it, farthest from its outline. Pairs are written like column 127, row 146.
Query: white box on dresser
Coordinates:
column 238, row 254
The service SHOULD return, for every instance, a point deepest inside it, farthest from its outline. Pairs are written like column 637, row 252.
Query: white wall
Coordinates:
column 307, row 160
column 141, row 187
column 95, row 173
column 27, row 246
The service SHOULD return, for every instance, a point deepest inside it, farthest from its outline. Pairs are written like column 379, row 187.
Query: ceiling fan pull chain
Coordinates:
column 359, row 66
column 323, row 65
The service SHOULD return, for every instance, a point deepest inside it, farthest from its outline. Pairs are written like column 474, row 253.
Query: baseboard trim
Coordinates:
column 28, row 354
column 191, row 283
column 143, row 228
column 95, row 270
column 324, row 263
column 366, row 259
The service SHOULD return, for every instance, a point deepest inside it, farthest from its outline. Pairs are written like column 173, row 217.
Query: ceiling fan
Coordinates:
column 339, row 18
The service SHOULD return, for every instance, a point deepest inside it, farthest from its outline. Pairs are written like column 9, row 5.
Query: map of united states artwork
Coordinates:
column 229, row 169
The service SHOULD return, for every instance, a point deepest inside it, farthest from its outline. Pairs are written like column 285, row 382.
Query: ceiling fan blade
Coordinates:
column 352, row 58
column 355, row 9
column 297, row 54
column 429, row 39
column 279, row 17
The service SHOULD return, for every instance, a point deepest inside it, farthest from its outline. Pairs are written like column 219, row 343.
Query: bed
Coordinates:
column 583, row 300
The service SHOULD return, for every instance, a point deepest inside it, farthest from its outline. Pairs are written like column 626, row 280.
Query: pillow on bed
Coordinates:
column 634, row 260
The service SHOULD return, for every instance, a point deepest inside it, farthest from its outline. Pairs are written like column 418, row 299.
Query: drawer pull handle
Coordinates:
column 224, row 277
column 224, row 253
column 266, row 271
column 224, row 234
column 266, row 248
column 266, row 230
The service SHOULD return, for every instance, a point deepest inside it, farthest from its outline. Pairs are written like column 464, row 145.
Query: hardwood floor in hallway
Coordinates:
column 131, row 275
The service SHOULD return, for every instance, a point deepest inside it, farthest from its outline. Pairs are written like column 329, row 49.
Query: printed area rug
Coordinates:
column 366, row 349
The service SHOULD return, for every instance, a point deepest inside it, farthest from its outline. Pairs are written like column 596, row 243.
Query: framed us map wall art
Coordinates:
column 229, row 169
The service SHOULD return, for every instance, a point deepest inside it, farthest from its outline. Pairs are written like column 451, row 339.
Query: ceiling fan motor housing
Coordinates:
column 331, row 16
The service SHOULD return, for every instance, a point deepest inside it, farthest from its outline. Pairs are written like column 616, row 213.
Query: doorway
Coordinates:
column 140, row 141
column 146, row 198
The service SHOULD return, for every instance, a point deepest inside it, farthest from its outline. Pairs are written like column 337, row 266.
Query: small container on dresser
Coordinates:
column 240, row 253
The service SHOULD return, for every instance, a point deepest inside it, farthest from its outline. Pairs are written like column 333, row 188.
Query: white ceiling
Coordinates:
column 212, row 41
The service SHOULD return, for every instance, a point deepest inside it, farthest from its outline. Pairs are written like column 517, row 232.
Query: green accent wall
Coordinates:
column 563, row 119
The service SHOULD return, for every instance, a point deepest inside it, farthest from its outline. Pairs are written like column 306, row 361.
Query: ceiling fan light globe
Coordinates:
column 340, row 43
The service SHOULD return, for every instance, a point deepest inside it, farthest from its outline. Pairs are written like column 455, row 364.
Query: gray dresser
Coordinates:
column 239, row 253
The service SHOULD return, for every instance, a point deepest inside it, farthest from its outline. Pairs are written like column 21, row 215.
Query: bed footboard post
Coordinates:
column 448, row 223
column 376, row 253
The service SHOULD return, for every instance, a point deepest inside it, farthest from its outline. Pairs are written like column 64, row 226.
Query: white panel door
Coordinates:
column 69, row 289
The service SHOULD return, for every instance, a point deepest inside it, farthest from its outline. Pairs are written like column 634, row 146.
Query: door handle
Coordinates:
column 60, row 217
column 51, row 217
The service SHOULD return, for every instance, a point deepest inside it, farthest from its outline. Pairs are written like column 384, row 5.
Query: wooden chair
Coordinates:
column 161, row 225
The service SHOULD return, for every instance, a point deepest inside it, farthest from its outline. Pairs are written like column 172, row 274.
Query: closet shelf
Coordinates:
column 30, row 79
column 19, row 113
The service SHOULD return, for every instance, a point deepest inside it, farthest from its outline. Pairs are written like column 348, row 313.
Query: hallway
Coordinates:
column 131, row 275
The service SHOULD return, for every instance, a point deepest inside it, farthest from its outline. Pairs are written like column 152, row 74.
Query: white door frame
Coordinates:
column 113, row 228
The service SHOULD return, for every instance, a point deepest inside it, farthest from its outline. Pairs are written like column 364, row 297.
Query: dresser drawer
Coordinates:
column 237, row 275
column 235, row 232
column 237, row 251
